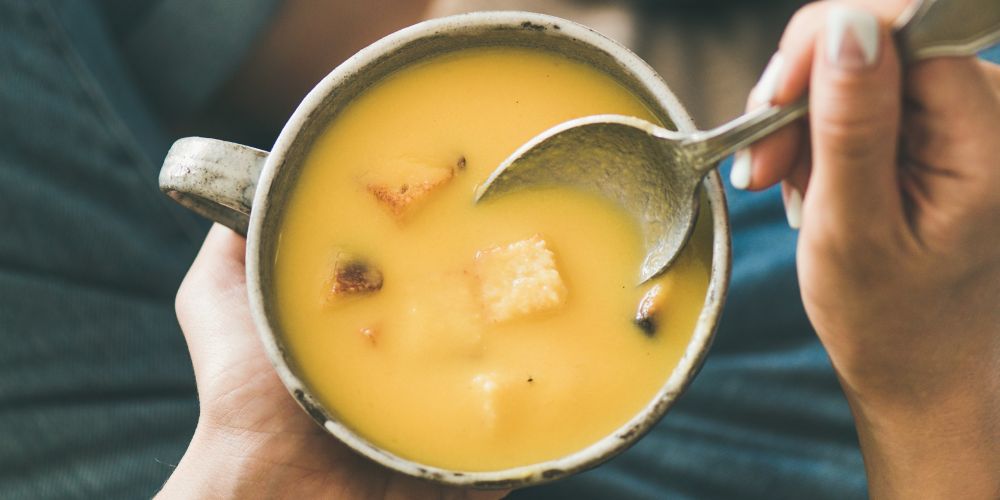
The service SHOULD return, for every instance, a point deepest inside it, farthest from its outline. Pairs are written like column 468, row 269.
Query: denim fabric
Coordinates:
column 200, row 42
column 992, row 54
column 96, row 391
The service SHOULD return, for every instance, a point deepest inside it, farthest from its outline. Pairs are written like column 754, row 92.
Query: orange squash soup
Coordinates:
column 474, row 337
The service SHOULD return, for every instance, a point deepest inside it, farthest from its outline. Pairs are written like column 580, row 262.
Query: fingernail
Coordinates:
column 793, row 208
column 767, row 86
column 852, row 37
column 739, row 176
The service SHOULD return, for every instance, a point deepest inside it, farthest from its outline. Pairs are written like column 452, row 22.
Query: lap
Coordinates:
column 96, row 390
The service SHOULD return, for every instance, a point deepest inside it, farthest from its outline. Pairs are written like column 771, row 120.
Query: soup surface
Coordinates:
column 423, row 348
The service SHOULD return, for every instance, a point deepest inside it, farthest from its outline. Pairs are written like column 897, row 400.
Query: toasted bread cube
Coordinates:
column 518, row 279
column 352, row 276
column 370, row 333
column 649, row 315
column 400, row 187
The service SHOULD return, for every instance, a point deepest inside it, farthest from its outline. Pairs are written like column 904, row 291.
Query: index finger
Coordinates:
column 787, row 80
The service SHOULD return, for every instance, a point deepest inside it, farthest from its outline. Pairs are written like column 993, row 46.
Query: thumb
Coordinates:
column 212, row 307
column 855, row 104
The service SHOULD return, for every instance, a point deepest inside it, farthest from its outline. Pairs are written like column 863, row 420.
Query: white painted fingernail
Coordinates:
column 852, row 37
column 767, row 86
column 739, row 176
column 793, row 208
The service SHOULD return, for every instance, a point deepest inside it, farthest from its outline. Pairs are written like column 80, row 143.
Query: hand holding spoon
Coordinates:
column 654, row 173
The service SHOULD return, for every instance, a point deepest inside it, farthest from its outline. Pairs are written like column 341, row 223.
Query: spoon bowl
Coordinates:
column 650, row 171
column 621, row 158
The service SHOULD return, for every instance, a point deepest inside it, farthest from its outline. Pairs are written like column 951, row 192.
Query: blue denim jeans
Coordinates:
column 97, row 395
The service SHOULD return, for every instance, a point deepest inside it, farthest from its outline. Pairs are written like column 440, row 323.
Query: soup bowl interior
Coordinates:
column 367, row 68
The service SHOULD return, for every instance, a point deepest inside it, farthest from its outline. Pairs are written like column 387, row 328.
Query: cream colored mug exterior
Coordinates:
column 244, row 189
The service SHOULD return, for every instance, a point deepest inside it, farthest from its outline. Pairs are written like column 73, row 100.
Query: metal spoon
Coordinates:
column 654, row 173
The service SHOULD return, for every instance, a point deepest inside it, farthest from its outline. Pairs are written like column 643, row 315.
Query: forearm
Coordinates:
column 945, row 448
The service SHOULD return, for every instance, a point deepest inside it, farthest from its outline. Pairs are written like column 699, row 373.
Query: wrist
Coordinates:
column 908, row 362
column 931, row 447
column 220, row 465
column 201, row 474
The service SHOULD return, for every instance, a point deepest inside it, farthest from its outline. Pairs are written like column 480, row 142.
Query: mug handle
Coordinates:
column 215, row 179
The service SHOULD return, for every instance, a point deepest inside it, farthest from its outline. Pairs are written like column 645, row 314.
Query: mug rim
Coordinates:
column 593, row 454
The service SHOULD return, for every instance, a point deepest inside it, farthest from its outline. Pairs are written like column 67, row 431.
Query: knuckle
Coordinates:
column 185, row 299
column 809, row 15
column 956, row 230
column 803, row 26
column 854, row 125
column 861, row 257
column 852, row 137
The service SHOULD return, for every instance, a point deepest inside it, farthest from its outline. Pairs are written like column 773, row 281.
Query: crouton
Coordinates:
column 518, row 279
column 649, row 315
column 401, row 187
column 369, row 333
column 352, row 276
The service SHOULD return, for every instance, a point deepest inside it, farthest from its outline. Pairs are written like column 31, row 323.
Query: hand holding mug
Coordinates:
column 252, row 439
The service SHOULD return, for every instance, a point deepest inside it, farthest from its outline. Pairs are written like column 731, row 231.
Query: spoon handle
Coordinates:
column 934, row 28
column 930, row 28
column 714, row 145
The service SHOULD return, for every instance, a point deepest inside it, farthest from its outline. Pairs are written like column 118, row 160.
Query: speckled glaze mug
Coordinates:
column 246, row 189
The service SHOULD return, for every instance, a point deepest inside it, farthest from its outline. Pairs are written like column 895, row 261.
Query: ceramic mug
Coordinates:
column 246, row 189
